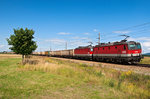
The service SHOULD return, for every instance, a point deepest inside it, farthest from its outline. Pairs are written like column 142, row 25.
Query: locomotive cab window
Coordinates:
column 138, row 46
column 132, row 46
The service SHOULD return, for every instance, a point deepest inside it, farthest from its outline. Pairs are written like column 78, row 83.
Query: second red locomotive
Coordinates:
column 84, row 52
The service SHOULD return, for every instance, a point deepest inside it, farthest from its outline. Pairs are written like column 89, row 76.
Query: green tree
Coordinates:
column 22, row 42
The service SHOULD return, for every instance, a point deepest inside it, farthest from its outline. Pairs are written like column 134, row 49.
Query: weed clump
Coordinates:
column 111, row 83
column 99, row 74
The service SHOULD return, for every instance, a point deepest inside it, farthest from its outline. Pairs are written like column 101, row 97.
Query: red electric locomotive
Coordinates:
column 83, row 52
column 122, row 52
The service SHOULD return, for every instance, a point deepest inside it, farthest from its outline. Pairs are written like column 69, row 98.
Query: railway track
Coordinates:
column 142, row 65
column 136, row 65
column 137, row 68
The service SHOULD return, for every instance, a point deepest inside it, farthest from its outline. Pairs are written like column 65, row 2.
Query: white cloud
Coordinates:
column 76, row 37
column 85, row 38
column 146, row 44
column 54, row 44
column 2, row 46
column 59, row 44
column 64, row 33
column 121, row 32
column 95, row 30
column 146, row 47
column 80, row 38
column 56, row 41
column 131, row 39
column 144, row 38
column 78, row 43
column 139, row 39
column 86, row 33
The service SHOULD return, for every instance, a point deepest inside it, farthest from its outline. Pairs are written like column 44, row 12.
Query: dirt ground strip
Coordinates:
column 3, row 56
column 134, row 68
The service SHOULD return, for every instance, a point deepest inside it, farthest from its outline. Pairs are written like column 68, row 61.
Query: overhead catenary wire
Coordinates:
column 139, row 29
column 135, row 26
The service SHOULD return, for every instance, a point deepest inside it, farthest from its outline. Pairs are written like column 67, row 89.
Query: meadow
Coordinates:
column 146, row 60
column 48, row 78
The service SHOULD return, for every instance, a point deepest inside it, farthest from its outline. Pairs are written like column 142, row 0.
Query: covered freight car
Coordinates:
column 67, row 53
column 57, row 53
column 47, row 53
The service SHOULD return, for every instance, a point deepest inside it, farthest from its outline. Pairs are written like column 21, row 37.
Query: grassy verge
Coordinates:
column 146, row 60
column 51, row 78
column 133, row 84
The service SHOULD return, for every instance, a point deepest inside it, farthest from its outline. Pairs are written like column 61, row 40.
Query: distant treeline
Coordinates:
column 147, row 55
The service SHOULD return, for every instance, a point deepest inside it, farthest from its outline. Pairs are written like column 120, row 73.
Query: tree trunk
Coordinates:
column 22, row 59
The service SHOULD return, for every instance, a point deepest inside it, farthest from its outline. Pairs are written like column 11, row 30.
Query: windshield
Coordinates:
column 134, row 46
column 138, row 46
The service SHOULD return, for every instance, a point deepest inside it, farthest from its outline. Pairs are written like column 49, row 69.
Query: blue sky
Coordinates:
column 76, row 22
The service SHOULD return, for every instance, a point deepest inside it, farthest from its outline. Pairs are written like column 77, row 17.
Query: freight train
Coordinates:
column 117, row 52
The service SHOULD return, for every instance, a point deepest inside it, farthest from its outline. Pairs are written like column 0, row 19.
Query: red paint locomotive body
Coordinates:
column 83, row 52
column 118, row 52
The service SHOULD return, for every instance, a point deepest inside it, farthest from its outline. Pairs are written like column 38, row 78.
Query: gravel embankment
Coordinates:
column 142, row 69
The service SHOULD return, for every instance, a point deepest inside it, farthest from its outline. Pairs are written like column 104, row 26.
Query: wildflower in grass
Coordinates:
column 128, row 73
column 130, row 86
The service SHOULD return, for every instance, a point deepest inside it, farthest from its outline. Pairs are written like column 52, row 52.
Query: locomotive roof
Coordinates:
column 116, row 43
column 82, row 47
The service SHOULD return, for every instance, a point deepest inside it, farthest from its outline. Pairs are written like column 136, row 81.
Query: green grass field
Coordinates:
column 55, row 79
column 146, row 60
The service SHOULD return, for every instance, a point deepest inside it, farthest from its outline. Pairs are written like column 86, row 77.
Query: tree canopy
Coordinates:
column 22, row 41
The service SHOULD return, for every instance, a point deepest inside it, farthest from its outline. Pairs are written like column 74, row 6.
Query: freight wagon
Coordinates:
column 67, row 53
